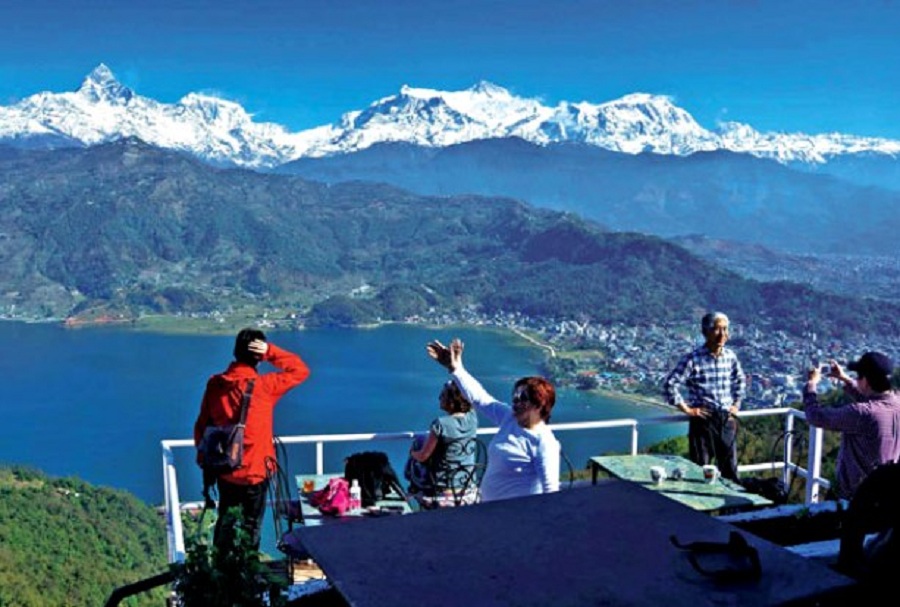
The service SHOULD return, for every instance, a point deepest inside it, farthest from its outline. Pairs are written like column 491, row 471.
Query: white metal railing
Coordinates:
column 811, row 474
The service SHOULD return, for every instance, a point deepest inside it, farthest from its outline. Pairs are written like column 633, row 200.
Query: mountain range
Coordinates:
column 113, row 198
column 132, row 228
column 721, row 195
column 223, row 132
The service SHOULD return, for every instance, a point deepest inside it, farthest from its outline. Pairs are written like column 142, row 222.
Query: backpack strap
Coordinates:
column 209, row 478
column 245, row 402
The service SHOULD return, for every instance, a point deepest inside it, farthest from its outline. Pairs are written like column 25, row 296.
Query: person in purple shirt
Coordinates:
column 869, row 426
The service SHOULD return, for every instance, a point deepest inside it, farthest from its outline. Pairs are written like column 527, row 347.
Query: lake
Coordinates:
column 95, row 403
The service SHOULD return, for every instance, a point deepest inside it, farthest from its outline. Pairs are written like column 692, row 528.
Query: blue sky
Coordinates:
column 783, row 65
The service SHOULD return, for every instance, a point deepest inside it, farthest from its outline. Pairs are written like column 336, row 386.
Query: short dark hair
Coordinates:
column 241, row 352
column 540, row 392
column 456, row 400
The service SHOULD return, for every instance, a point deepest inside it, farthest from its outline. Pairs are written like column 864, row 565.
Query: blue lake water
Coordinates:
column 95, row 403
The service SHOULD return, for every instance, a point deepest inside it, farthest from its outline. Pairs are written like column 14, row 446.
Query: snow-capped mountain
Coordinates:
column 222, row 132
column 102, row 110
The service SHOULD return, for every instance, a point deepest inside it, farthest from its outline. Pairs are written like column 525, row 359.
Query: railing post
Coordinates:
column 788, row 449
column 814, row 465
column 634, row 438
column 320, row 457
column 174, row 529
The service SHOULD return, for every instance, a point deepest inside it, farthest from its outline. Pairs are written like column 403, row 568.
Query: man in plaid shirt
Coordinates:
column 715, row 383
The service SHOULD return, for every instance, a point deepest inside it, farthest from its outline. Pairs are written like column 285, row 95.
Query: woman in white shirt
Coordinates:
column 523, row 457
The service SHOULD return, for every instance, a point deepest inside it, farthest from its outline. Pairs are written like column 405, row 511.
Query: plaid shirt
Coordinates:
column 712, row 381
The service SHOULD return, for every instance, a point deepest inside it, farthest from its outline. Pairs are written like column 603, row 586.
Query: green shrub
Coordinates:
column 232, row 576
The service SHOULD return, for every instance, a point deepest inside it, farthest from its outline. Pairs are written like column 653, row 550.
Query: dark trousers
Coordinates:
column 714, row 438
column 251, row 499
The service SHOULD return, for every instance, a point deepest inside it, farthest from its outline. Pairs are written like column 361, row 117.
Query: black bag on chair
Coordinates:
column 375, row 475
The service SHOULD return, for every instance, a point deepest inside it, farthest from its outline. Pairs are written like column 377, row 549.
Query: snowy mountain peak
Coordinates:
column 213, row 108
column 643, row 99
column 223, row 132
column 101, row 74
column 101, row 86
column 649, row 107
column 489, row 88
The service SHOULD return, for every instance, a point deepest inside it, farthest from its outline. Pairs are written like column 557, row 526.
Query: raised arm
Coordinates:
column 845, row 418
column 450, row 357
column 291, row 369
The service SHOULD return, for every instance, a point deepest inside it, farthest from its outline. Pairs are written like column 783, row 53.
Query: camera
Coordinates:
column 825, row 369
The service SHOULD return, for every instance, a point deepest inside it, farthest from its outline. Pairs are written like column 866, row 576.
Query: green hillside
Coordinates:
column 65, row 542
column 126, row 229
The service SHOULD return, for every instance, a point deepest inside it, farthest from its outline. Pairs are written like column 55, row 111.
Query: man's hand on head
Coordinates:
column 258, row 347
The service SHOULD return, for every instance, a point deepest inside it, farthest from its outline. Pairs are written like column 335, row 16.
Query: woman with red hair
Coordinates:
column 523, row 457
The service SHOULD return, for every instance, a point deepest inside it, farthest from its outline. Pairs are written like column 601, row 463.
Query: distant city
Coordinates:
column 633, row 359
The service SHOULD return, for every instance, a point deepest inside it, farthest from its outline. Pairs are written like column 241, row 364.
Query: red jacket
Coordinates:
column 222, row 400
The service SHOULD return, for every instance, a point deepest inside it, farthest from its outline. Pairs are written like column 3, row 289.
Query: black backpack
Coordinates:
column 375, row 475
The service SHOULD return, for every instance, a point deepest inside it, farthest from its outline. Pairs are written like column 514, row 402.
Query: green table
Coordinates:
column 692, row 490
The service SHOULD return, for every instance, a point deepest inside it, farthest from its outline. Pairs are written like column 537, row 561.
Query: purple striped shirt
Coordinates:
column 870, row 433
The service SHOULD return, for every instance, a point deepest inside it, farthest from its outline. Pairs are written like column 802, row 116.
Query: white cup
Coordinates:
column 657, row 474
column 710, row 473
column 677, row 474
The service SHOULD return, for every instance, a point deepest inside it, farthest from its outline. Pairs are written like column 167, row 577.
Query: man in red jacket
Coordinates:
column 247, row 486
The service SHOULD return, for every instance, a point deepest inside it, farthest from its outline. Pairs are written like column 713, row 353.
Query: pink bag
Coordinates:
column 333, row 499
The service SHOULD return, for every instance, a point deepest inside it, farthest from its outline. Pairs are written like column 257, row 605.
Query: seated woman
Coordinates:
column 445, row 453
column 524, row 456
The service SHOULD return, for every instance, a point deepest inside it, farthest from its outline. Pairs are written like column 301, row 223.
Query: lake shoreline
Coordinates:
column 362, row 381
column 170, row 325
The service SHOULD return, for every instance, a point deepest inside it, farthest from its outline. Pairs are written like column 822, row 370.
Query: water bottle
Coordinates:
column 355, row 497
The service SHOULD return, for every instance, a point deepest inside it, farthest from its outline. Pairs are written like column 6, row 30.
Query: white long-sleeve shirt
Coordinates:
column 521, row 461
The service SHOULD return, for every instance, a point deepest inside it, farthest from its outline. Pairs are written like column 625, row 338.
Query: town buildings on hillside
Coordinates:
column 635, row 358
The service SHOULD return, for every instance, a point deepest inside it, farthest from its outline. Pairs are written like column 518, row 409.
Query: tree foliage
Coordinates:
column 128, row 226
column 65, row 542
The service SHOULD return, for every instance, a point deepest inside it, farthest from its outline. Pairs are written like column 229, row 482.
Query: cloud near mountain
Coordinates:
column 222, row 132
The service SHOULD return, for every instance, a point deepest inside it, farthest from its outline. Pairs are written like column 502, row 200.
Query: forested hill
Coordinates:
column 64, row 542
column 132, row 228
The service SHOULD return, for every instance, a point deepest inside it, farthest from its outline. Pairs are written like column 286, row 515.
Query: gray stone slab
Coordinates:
column 602, row 545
